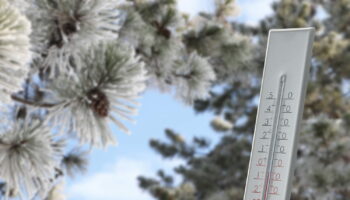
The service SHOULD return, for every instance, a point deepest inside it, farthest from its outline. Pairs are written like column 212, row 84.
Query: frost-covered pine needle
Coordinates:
column 103, row 91
column 228, row 52
column 152, row 27
column 27, row 159
column 14, row 49
column 65, row 27
column 194, row 77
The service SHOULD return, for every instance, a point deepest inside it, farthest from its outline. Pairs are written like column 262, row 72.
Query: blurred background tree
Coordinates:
column 218, row 171
column 72, row 69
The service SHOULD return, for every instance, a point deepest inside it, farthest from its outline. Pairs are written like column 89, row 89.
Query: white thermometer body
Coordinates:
column 282, row 95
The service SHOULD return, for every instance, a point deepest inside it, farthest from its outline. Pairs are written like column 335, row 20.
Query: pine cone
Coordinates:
column 99, row 102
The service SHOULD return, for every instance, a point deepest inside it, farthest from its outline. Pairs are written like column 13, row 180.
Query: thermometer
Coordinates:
column 282, row 95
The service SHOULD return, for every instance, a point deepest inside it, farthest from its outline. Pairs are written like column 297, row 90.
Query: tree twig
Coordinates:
column 32, row 103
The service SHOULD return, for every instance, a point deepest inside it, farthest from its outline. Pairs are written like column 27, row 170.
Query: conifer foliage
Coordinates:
column 69, row 67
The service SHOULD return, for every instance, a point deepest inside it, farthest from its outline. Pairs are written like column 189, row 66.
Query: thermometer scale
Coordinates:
column 287, row 63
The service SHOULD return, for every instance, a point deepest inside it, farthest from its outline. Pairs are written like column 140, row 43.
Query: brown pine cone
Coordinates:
column 99, row 102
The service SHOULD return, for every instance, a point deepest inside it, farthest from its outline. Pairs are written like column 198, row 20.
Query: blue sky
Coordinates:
column 112, row 172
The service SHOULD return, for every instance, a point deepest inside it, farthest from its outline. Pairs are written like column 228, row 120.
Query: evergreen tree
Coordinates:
column 323, row 171
column 69, row 67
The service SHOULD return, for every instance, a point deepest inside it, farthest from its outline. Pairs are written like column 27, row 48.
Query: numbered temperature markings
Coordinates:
column 273, row 138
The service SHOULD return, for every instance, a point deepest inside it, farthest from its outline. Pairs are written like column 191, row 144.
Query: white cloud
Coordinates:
column 251, row 11
column 119, row 181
